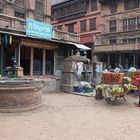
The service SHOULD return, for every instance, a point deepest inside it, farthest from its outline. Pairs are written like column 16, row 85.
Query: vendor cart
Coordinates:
column 112, row 92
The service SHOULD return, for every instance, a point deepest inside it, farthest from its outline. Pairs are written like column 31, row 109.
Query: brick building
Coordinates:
column 37, row 55
column 119, row 41
column 79, row 17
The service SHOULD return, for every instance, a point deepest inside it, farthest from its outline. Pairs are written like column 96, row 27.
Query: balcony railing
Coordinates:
column 117, row 47
column 65, row 36
column 15, row 25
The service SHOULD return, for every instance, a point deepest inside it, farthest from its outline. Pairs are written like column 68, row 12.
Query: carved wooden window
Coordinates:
column 93, row 24
column 83, row 26
column 112, row 25
column 93, row 5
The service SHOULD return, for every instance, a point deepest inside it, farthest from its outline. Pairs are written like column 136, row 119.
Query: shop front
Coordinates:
column 126, row 59
column 37, row 56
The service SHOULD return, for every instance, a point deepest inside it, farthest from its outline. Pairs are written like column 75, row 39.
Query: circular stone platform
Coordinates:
column 20, row 95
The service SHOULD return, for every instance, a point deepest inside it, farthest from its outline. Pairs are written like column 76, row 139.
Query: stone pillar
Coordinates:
column 44, row 62
column 55, row 61
column 134, row 60
column 31, row 61
column 108, row 59
column 120, row 58
column 18, row 56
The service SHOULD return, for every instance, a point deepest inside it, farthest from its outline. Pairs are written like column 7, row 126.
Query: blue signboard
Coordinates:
column 38, row 29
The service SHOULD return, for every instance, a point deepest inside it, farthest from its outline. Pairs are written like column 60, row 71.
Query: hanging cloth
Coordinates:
column 6, row 39
column 10, row 40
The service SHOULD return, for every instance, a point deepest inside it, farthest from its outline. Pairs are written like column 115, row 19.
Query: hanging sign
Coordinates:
column 38, row 29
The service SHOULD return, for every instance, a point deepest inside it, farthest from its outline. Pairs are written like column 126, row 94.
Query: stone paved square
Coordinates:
column 72, row 117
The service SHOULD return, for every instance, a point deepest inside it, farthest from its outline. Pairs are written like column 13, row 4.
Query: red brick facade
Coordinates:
column 63, row 20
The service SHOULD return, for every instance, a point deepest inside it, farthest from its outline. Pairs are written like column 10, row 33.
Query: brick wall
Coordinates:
column 30, row 5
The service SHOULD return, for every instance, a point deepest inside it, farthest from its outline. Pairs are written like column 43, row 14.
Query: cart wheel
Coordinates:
column 108, row 100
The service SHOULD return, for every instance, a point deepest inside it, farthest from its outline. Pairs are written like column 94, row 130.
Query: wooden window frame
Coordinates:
column 92, row 24
column 94, row 5
column 83, row 27
column 70, row 27
column 113, row 28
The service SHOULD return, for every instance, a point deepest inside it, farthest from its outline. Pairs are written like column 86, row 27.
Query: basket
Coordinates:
column 113, row 78
column 78, row 89
column 88, row 90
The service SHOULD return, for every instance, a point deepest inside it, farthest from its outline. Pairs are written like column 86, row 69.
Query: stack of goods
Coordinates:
column 87, row 87
column 113, row 78
column 117, row 89
column 136, row 79
column 136, row 82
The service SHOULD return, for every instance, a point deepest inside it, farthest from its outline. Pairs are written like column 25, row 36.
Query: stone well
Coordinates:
column 20, row 95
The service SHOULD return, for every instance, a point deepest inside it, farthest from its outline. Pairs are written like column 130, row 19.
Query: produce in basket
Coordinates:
column 113, row 78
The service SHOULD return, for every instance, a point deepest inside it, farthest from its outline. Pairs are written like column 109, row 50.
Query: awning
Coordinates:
column 30, row 42
column 80, row 46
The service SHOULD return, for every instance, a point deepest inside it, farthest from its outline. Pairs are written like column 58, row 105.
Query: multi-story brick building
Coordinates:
column 119, row 41
column 78, row 16
column 38, row 56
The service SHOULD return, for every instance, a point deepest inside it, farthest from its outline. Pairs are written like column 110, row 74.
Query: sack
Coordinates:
column 99, row 95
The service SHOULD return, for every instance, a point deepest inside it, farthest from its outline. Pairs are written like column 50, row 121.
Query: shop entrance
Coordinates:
column 37, row 61
column 9, row 52
column 49, row 62
column 25, row 59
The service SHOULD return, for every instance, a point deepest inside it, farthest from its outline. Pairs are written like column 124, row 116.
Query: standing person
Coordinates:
column 117, row 69
column 121, row 67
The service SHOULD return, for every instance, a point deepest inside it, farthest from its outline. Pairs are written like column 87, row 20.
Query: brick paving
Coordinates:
column 72, row 117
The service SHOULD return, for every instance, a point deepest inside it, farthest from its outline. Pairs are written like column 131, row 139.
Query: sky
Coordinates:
column 57, row 1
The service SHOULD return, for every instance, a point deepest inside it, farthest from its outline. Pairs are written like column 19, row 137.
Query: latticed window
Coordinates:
column 93, row 24
column 39, row 8
column 93, row 5
column 20, row 8
column 131, row 23
column 112, row 25
column 83, row 26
